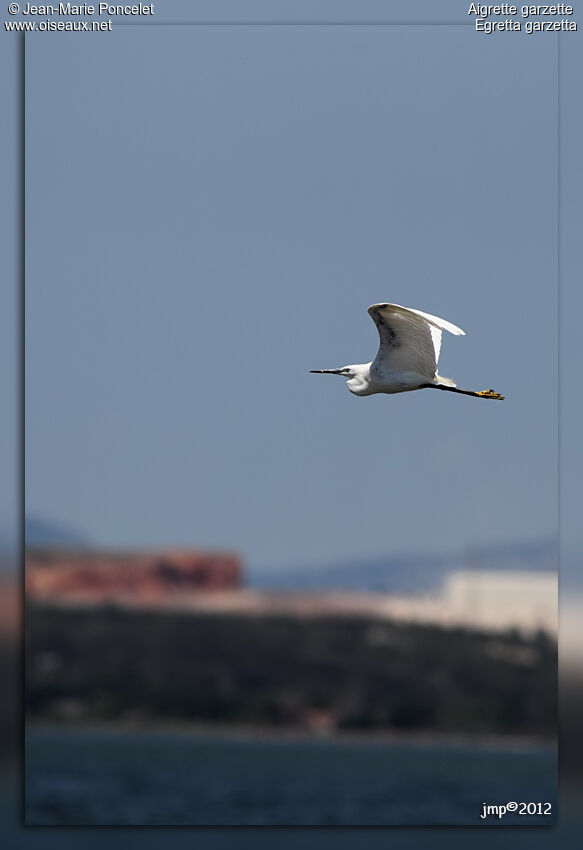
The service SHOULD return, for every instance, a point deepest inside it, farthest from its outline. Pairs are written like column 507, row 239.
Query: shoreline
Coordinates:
column 268, row 734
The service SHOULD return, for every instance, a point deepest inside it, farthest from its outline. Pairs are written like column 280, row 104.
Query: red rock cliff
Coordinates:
column 142, row 576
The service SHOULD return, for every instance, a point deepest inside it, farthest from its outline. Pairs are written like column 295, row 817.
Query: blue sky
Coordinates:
column 210, row 211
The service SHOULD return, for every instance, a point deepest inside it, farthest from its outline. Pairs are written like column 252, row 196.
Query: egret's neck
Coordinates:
column 359, row 382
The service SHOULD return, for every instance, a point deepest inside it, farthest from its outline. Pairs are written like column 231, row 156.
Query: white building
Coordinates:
column 494, row 599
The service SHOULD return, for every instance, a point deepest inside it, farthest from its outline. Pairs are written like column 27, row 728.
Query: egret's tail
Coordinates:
column 446, row 382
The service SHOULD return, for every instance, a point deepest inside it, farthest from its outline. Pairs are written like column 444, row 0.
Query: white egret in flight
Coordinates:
column 407, row 356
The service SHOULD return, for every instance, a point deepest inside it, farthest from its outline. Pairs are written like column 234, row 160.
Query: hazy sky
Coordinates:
column 210, row 212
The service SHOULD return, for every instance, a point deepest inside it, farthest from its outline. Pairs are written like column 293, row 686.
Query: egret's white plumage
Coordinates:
column 410, row 342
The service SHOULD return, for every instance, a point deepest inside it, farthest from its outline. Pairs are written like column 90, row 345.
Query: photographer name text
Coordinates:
column 85, row 9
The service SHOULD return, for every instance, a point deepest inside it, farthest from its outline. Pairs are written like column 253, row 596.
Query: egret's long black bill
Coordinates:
column 326, row 371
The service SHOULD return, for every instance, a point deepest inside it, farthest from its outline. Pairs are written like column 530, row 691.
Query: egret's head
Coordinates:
column 358, row 377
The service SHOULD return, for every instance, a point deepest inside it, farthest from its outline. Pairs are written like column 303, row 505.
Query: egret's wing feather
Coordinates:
column 435, row 321
column 406, row 343
column 436, row 339
column 410, row 341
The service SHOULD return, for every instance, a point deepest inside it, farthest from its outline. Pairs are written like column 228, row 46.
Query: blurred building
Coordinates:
column 501, row 599
column 148, row 577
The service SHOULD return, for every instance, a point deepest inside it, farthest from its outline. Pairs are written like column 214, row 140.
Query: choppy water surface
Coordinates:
column 152, row 777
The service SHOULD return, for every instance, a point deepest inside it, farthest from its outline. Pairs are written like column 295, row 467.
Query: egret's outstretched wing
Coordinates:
column 437, row 325
column 433, row 320
column 410, row 339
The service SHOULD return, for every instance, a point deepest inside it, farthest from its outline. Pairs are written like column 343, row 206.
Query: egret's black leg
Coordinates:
column 483, row 394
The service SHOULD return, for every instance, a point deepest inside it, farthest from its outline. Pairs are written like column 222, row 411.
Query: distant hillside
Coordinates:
column 40, row 532
column 410, row 573
column 396, row 574
column 417, row 573
column 347, row 673
column 538, row 555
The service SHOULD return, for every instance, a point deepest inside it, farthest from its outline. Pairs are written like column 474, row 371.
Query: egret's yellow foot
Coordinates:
column 490, row 394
